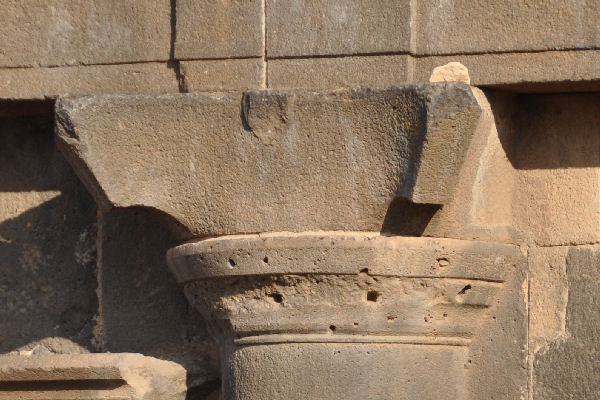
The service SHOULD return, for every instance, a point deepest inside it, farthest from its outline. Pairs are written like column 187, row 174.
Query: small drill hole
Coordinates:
column 277, row 298
column 232, row 263
column 332, row 328
column 464, row 290
column 373, row 295
column 266, row 260
column 364, row 271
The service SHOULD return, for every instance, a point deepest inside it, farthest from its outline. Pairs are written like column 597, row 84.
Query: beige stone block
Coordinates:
column 485, row 26
column 556, row 71
column 56, row 32
column 220, row 75
column 334, row 27
column 557, row 155
column 219, row 29
column 91, row 376
column 338, row 72
column 38, row 83
column 268, row 160
column 548, row 296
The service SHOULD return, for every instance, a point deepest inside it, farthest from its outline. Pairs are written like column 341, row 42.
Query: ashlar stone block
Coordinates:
column 271, row 160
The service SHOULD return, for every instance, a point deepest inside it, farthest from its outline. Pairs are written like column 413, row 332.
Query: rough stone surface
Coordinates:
column 451, row 72
column 91, row 376
column 548, row 296
column 219, row 29
column 338, row 72
column 55, row 32
column 335, row 27
column 47, row 243
column 443, row 26
column 143, row 308
column 223, row 75
column 566, row 368
column 38, row 83
column 268, row 165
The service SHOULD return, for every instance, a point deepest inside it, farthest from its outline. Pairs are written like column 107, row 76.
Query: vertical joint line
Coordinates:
column 265, row 78
column 173, row 63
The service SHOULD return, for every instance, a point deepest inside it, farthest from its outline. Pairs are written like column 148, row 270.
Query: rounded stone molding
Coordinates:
column 280, row 302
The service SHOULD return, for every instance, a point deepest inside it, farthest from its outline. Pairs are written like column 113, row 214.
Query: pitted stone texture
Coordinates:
column 219, row 29
column 91, row 376
column 336, row 27
column 56, row 32
column 456, row 308
column 271, row 161
column 442, row 26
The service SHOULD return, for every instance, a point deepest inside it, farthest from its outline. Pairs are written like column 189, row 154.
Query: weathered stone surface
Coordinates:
column 91, row 376
column 219, row 29
column 336, row 27
column 283, row 161
column 548, row 71
column 347, row 371
column 482, row 26
column 143, row 308
column 47, row 243
column 38, row 83
column 338, row 72
column 566, row 368
column 55, row 32
column 451, row 72
column 223, row 75
column 548, row 296
column 377, row 303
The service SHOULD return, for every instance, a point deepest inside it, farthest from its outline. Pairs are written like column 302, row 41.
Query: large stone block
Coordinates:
column 557, row 157
column 91, row 376
column 223, row 75
column 338, row 72
column 566, row 367
column 219, row 29
column 482, row 26
column 56, row 32
column 47, row 243
column 335, row 27
column 271, row 161
column 39, row 83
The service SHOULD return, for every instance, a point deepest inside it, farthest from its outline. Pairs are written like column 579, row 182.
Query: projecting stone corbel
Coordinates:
column 305, row 297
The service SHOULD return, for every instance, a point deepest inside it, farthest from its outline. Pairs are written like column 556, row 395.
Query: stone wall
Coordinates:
column 77, row 278
column 54, row 47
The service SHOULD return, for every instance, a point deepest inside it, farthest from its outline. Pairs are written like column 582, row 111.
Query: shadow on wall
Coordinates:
column 47, row 236
column 553, row 131
column 50, row 263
